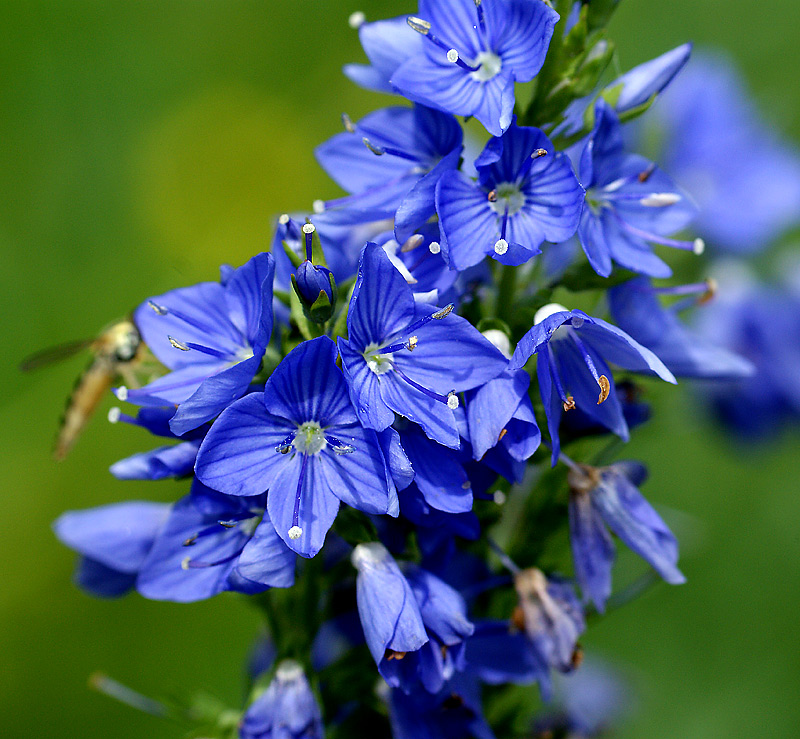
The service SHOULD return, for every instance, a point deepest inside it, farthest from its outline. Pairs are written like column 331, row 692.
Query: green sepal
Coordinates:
column 354, row 527
column 321, row 310
column 633, row 113
column 295, row 258
column 340, row 325
column 298, row 314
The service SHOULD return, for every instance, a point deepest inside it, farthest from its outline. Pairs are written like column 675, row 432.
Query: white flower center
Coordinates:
column 379, row 363
column 310, row 438
column 489, row 66
column 508, row 195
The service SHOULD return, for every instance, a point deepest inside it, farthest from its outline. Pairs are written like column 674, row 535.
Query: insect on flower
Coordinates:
column 117, row 351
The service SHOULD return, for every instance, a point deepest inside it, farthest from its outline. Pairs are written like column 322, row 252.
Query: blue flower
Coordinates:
column 392, row 159
column 212, row 336
column 409, row 358
column 526, row 194
column 744, row 204
column 211, row 543
column 301, row 441
column 629, row 203
column 176, row 460
column 551, row 617
column 609, row 497
column 113, row 541
column 473, row 54
column 287, row 709
column 572, row 350
column 414, row 623
column 387, row 44
column 500, row 412
column 634, row 305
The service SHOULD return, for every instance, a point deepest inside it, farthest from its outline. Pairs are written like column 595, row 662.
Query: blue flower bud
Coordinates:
column 311, row 280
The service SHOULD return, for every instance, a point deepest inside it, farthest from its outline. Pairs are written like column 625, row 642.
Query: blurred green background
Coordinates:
column 141, row 144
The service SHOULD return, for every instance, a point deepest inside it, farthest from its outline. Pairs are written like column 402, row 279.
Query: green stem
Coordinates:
column 506, row 288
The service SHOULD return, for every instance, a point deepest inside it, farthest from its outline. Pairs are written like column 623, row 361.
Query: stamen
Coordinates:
column 286, row 444
column 295, row 532
column 114, row 414
column 381, row 150
column 503, row 228
column 503, row 432
column 481, row 17
column 159, row 309
column 602, row 380
column 419, row 25
column 122, row 393
column 308, row 230
column 660, row 199
column 412, row 343
column 318, row 206
column 348, row 124
column 450, row 400
column 391, row 654
column 454, row 58
column 567, row 400
column 190, row 320
column 434, row 247
column 356, row 20
column 492, row 196
column 284, row 219
column 645, row 175
column 177, row 344
column 424, row 27
column 339, row 447
column 528, row 163
column 207, row 350
column 697, row 246
column 605, row 389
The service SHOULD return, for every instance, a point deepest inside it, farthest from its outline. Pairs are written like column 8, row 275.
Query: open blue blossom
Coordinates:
column 473, row 54
column 212, row 336
column 500, row 412
column 392, row 604
column 551, row 617
column 113, row 541
column 393, row 159
column 287, row 709
column 629, row 204
column 636, row 308
column 705, row 118
column 526, row 194
column 572, row 350
column 409, row 358
column 212, row 543
column 301, row 441
column 174, row 460
column 609, row 497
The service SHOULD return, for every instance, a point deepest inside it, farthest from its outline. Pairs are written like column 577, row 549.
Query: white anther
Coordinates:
column 499, row 497
column 284, row 219
column 466, row 485
column 434, row 247
column 452, row 401
column 114, row 414
column 699, row 246
column 309, row 228
column 412, row 243
column 444, row 312
column 660, row 199
column 158, row 309
column 501, row 247
column 318, row 206
column 419, row 25
column 178, row 344
column 547, row 310
column 122, row 393
column 452, row 56
column 295, row 532
column 356, row 20
column 185, row 563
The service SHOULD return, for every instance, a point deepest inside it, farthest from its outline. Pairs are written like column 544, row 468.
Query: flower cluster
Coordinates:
column 381, row 356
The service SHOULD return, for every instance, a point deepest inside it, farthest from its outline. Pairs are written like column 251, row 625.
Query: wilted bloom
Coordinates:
column 526, row 194
column 409, row 358
column 551, row 616
column 572, row 350
column 113, row 541
column 212, row 336
column 287, row 709
column 609, row 497
column 301, row 440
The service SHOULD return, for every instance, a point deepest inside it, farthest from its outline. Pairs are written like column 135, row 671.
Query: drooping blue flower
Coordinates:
column 572, row 350
column 630, row 203
column 287, row 709
column 472, row 55
column 174, row 460
column 301, row 441
column 526, row 194
column 392, row 160
column 212, row 336
column 212, row 543
column 551, row 617
column 388, row 610
column 705, row 119
column 500, row 412
column 635, row 307
column 409, row 358
column 113, row 541
column 603, row 498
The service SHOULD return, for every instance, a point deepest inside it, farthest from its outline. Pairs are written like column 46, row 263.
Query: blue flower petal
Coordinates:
column 157, row 464
column 266, row 559
column 365, row 389
column 248, row 294
column 592, row 549
column 526, row 37
column 650, row 78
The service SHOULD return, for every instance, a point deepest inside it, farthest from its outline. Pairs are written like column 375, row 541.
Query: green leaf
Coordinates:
column 294, row 258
